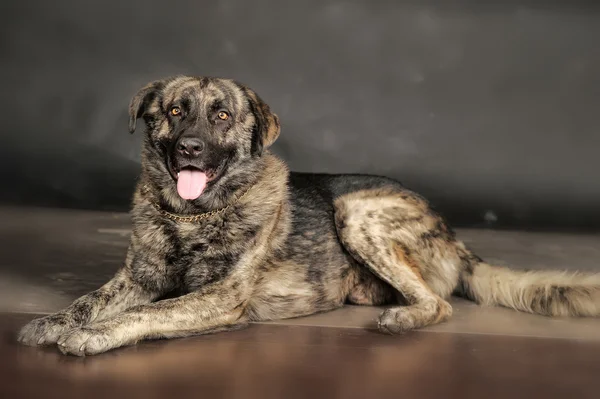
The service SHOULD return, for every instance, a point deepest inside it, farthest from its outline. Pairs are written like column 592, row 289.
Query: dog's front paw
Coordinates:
column 45, row 330
column 88, row 340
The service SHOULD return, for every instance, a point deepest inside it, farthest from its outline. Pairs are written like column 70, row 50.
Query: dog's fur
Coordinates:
column 286, row 244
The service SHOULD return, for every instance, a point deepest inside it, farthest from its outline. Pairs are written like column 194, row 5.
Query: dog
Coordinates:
column 219, row 218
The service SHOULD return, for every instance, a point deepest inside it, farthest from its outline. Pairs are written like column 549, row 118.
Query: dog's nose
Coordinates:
column 190, row 146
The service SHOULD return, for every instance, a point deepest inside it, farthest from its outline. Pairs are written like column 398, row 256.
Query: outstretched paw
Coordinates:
column 45, row 330
column 88, row 340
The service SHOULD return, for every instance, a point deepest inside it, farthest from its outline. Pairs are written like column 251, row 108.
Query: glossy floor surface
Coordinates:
column 49, row 257
column 278, row 361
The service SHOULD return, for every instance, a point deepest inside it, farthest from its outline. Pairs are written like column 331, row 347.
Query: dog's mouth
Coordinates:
column 191, row 181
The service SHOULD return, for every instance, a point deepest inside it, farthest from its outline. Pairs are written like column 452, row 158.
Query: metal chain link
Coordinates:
column 194, row 218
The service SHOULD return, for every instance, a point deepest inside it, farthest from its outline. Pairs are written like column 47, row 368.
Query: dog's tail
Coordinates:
column 549, row 293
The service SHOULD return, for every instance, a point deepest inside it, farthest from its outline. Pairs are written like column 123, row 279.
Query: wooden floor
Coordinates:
column 50, row 257
column 277, row 361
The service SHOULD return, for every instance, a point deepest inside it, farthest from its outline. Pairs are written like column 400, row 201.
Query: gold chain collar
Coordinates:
column 195, row 218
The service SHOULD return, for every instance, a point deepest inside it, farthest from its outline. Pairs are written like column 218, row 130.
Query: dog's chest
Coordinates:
column 187, row 256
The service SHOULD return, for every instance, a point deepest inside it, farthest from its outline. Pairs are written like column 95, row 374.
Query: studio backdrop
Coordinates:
column 490, row 109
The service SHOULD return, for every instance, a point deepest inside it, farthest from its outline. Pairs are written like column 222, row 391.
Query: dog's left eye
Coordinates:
column 175, row 111
column 223, row 115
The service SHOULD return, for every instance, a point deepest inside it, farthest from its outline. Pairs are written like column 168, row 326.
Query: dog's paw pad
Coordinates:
column 85, row 341
column 396, row 321
column 43, row 331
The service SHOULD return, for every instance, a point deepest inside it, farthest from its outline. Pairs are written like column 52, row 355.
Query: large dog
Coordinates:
column 220, row 219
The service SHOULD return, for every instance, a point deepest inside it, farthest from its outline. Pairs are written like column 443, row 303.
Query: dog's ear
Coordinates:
column 139, row 103
column 266, row 128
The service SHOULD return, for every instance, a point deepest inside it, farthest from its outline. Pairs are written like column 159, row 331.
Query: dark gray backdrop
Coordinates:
column 489, row 108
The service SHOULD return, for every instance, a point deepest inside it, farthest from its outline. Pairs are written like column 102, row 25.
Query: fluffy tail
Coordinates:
column 549, row 293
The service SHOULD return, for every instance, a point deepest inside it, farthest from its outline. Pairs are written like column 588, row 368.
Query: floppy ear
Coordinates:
column 266, row 128
column 139, row 102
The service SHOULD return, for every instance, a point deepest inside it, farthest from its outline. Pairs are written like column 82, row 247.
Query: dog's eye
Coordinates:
column 223, row 115
column 175, row 111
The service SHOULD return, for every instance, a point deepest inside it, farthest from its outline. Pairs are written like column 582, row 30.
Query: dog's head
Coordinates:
column 201, row 129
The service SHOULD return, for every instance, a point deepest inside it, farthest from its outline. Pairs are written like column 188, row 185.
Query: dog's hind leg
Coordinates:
column 397, row 236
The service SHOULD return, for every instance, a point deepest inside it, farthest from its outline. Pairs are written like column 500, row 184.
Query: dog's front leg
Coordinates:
column 209, row 310
column 116, row 295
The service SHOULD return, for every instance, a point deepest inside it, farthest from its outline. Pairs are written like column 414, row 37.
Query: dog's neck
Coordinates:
column 198, row 217
column 160, row 188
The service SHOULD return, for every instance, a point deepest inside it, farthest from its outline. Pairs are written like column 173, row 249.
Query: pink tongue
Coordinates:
column 191, row 183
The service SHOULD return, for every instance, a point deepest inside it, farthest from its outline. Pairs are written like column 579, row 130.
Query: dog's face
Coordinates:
column 201, row 130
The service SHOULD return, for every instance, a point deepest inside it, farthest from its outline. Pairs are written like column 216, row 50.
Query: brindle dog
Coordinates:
column 219, row 218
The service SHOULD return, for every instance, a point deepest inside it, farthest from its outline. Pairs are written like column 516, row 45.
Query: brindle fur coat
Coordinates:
column 261, row 243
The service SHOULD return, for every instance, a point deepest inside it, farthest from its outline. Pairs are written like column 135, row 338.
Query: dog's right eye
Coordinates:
column 175, row 111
